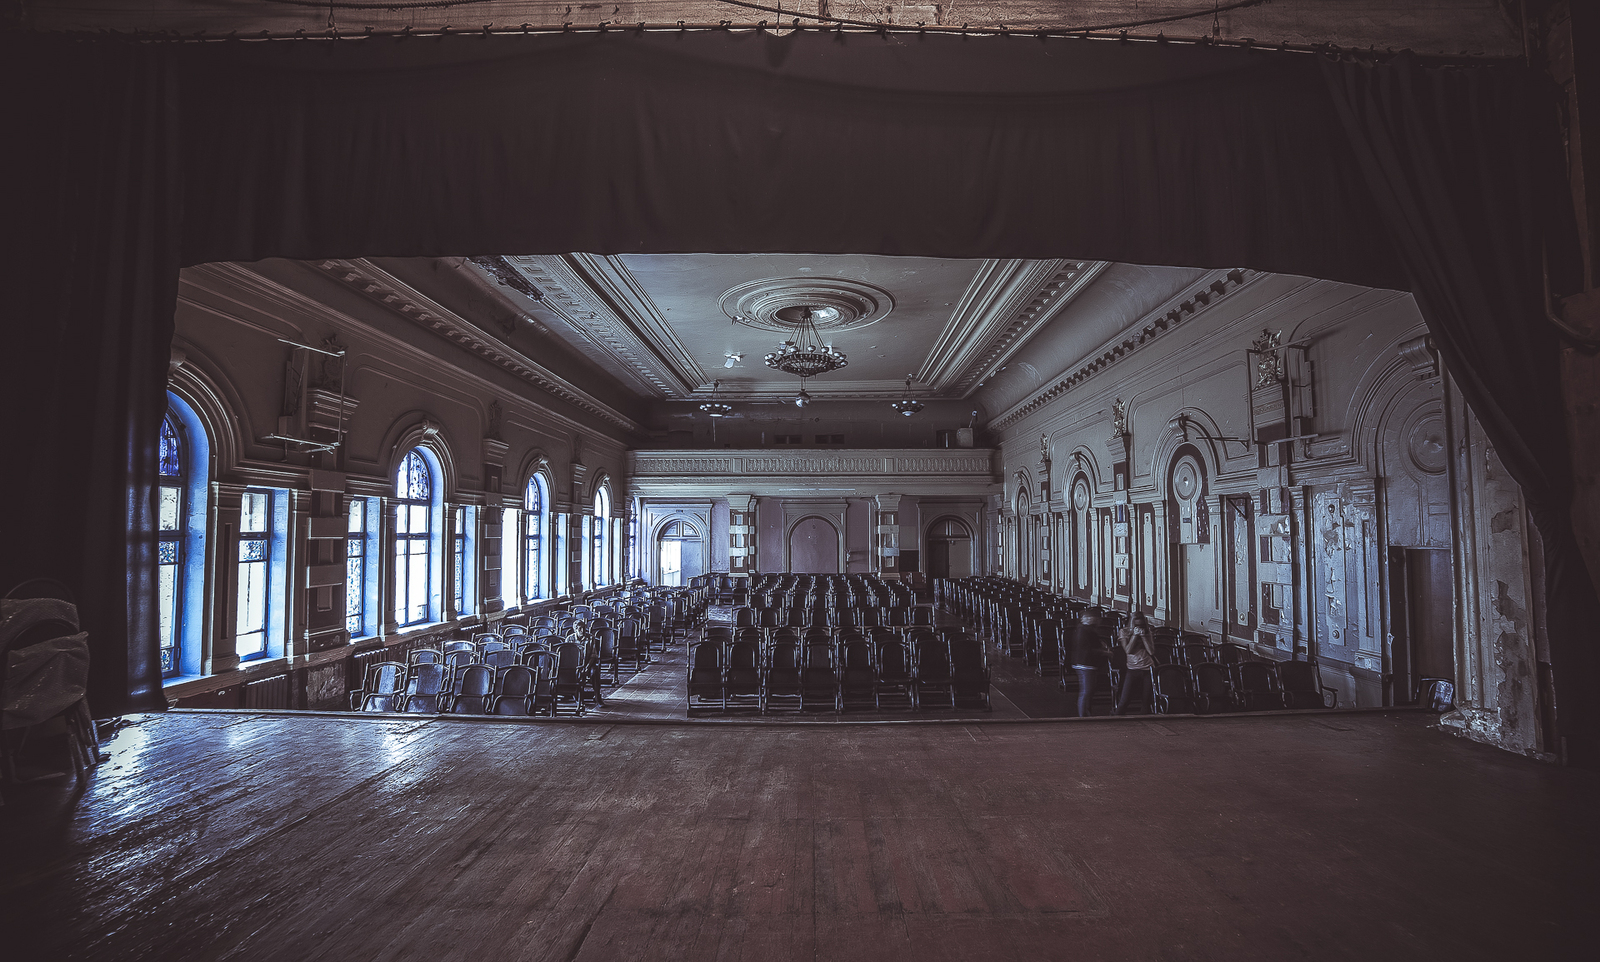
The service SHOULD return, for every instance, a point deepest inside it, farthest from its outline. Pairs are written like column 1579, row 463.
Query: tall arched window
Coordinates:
column 532, row 533
column 602, row 542
column 413, row 527
column 170, row 553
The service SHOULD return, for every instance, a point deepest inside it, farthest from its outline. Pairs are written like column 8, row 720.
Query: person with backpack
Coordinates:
column 1140, row 646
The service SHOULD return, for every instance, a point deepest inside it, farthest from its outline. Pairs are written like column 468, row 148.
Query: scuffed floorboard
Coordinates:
column 360, row 838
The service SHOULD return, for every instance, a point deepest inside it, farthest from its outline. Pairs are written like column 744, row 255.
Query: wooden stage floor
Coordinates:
column 299, row 837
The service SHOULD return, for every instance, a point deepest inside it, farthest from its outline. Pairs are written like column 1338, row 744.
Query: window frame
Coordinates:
column 403, row 580
column 262, row 536
column 534, row 505
column 170, row 542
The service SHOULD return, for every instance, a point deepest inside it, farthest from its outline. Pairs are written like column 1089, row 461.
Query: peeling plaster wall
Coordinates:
column 1497, row 677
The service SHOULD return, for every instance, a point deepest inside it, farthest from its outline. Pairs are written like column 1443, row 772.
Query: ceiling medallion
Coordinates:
column 777, row 304
column 907, row 405
column 803, row 354
column 715, row 408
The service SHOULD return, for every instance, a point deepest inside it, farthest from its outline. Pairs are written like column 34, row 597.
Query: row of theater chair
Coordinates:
column 537, row 683
column 849, row 671
column 831, row 617
column 1209, row 687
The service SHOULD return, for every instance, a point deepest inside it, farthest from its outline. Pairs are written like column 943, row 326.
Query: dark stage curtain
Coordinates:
column 940, row 146
column 1467, row 171
column 92, row 242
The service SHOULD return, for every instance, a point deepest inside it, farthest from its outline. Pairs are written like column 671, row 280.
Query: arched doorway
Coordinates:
column 949, row 549
column 680, row 553
column 814, row 547
column 1194, row 568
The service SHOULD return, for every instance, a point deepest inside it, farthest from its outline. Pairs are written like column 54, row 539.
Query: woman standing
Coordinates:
column 1140, row 646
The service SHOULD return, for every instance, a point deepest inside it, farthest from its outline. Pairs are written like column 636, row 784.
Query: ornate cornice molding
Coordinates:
column 599, row 297
column 376, row 284
column 976, row 463
column 1156, row 323
column 1008, row 302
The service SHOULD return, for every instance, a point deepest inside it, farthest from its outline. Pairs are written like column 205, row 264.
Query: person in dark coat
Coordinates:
column 1085, row 659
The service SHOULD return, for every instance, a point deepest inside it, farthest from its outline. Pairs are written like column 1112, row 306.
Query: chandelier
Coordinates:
column 907, row 405
column 715, row 408
column 804, row 355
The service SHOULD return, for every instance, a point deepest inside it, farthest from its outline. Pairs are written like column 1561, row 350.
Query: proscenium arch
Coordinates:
column 1342, row 233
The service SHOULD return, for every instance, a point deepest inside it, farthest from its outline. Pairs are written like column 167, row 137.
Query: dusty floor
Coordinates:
column 1348, row 836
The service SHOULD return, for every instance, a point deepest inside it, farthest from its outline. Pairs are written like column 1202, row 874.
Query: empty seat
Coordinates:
column 741, row 675
column 1171, row 691
column 383, row 689
column 935, row 674
column 782, row 675
column 705, row 674
column 420, row 655
column 819, row 677
column 568, row 676
column 1301, row 684
column 471, row 690
column 425, row 688
column 895, row 677
column 969, row 665
column 630, row 644
column 545, row 665
column 1213, row 689
column 858, row 673
column 513, row 692
column 1255, row 686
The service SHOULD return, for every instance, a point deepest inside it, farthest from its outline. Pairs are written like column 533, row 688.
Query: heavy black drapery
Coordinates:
column 143, row 158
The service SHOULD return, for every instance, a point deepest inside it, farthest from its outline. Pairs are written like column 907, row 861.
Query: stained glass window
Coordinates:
column 413, row 525
column 532, row 529
column 169, row 547
column 602, row 524
column 255, row 518
column 355, row 562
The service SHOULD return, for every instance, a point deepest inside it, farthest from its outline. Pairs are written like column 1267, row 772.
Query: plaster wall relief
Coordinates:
column 1346, row 589
column 1498, row 651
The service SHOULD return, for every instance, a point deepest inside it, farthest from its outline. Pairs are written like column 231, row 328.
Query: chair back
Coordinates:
column 569, row 661
column 421, row 655
column 460, row 657
column 501, row 658
column 459, row 645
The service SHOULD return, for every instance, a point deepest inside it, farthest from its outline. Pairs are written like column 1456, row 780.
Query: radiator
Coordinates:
column 269, row 693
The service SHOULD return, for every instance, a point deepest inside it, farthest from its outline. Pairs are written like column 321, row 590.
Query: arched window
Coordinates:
column 533, row 501
column 413, row 527
column 602, row 543
column 170, row 553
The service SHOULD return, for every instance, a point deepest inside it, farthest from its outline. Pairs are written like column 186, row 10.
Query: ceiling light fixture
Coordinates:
column 907, row 405
column 802, row 399
column 804, row 355
column 733, row 359
column 715, row 408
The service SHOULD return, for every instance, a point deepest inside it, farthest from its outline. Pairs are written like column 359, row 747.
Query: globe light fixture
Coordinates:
column 907, row 405
column 714, row 407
